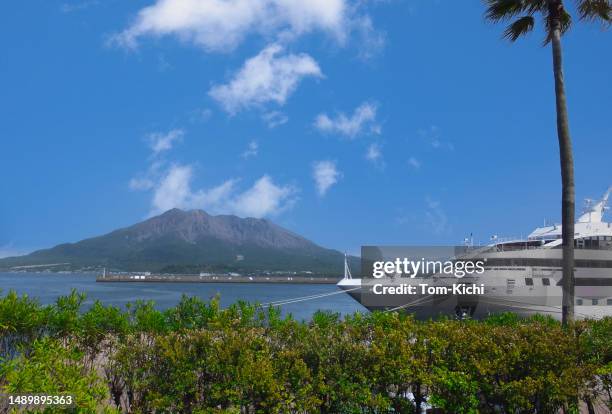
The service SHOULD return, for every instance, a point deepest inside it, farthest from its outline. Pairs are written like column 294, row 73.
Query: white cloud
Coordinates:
column 251, row 150
column 374, row 154
column 436, row 218
column 200, row 115
column 414, row 163
column 162, row 63
column 325, row 175
column 221, row 25
column 371, row 41
column 141, row 183
column 173, row 190
column 171, row 186
column 264, row 198
column 78, row 6
column 214, row 198
column 432, row 136
column 160, row 142
column 274, row 118
column 363, row 120
column 267, row 77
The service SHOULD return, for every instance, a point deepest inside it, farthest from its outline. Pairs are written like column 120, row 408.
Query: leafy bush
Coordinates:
column 199, row 358
column 53, row 368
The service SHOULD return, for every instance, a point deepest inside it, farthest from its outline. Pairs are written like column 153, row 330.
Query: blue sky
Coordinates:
column 349, row 122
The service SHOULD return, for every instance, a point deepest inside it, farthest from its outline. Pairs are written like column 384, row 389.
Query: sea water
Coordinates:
column 47, row 287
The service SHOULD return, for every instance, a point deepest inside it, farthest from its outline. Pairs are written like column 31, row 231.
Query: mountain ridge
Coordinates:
column 179, row 241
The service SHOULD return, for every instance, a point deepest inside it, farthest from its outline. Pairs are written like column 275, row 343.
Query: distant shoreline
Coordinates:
column 155, row 278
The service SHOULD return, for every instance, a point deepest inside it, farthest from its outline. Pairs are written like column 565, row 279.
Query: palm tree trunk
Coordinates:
column 567, row 164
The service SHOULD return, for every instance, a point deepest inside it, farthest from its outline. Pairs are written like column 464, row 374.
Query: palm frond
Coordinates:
column 501, row 10
column 519, row 28
column 595, row 10
column 566, row 23
column 534, row 6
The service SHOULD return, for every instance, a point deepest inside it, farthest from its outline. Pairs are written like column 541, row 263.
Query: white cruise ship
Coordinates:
column 521, row 276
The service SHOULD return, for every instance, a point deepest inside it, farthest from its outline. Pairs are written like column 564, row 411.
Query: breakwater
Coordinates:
column 165, row 278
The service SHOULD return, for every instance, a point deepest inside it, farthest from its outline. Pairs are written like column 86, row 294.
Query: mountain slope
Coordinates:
column 192, row 241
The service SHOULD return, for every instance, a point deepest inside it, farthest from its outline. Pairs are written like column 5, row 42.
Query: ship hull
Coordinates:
column 425, row 307
column 511, row 284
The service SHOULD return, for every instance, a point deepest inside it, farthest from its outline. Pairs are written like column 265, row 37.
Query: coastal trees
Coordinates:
column 22, row 320
column 595, row 338
column 521, row 15
column 198, row 357
column 55, row 368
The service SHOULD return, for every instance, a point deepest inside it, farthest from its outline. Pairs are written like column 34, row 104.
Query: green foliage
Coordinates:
column 596, row 343
column 200, row 358
column 22, row 320
column 521, row 15
column 455, row 392
column 64, row 316
column 54, row 369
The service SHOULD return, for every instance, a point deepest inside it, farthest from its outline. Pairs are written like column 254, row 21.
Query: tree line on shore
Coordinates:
column 199, row 358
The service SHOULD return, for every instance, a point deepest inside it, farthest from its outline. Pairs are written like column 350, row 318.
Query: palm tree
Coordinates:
column 521, row 17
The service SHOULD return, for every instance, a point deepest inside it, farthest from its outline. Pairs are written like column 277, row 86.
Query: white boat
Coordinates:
column 521, row 276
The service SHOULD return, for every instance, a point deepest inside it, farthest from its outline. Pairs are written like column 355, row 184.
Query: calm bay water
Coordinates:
column 46, row 287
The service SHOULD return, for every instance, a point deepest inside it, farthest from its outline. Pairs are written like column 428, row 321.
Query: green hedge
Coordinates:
column 199, row 358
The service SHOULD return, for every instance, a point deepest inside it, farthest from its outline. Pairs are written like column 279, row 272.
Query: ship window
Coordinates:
column 595, row 301
column 579, row 302
column 546, row 281
column 529, row 281
column 609, row 302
